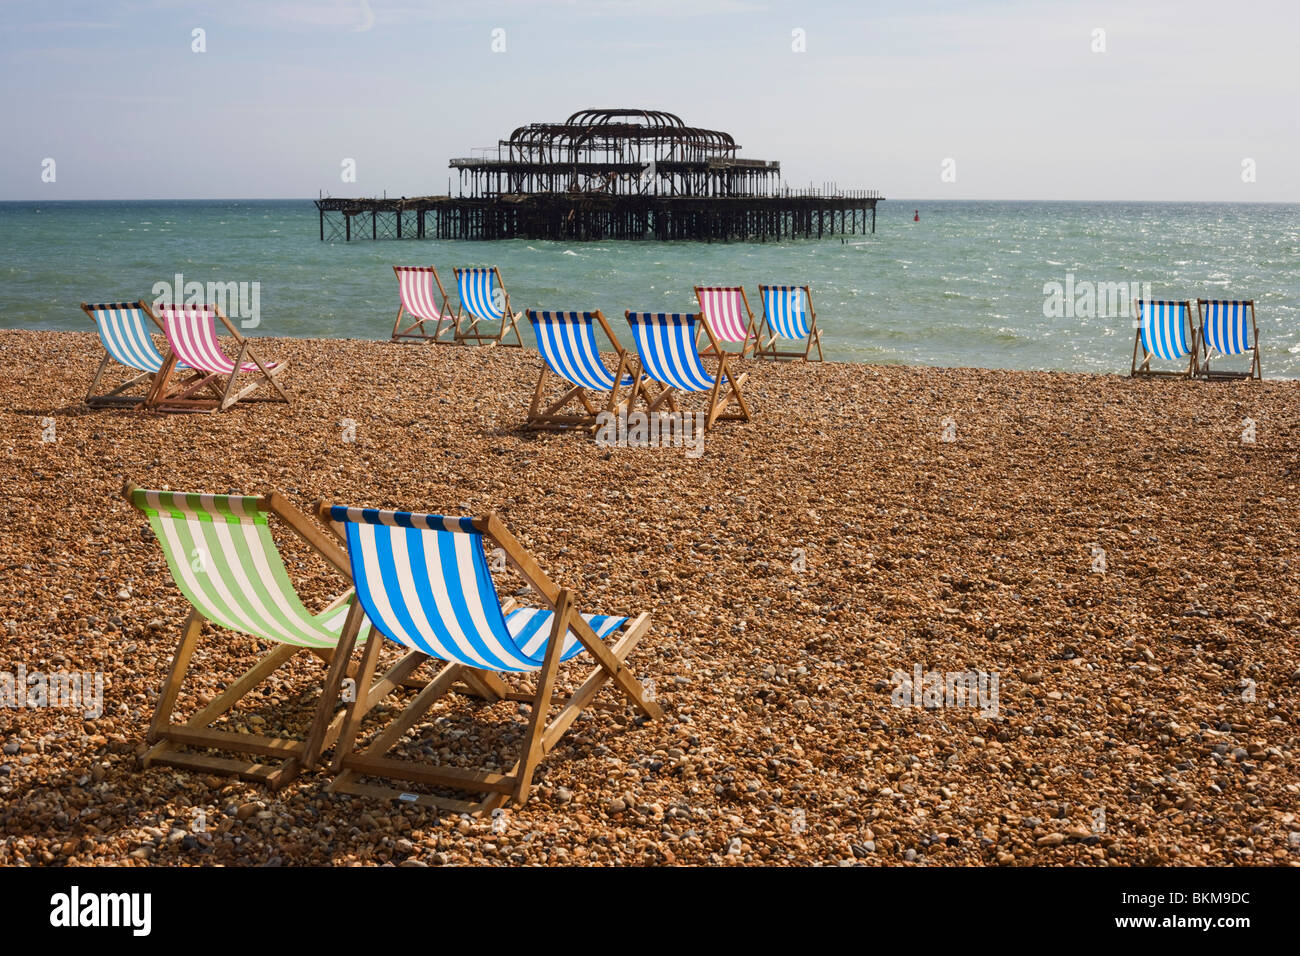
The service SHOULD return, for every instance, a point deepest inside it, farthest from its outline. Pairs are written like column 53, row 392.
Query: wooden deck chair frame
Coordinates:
column 415, row 331
column 466, row 332
column 543, row 733
column 551, row 417
column 117, row 398
column 1256, row 369
column 769, row 350
column 163, row 398
column 751, row 325
column 289, row 757
column 1143, row 369
column 718, row 401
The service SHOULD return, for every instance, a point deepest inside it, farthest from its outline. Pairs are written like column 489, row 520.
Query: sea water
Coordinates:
column 970, row 284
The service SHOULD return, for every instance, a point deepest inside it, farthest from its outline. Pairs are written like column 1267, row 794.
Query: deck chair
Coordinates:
column 666, row 354
column 425, row 584
column 1228, row 328
column 788, row 314
column 567, row 341
column 484, row 297
column 420, row 291
column 192, row 335
column 222, row 557
column 727, row 313
column 126, row 335
column 1164, row 331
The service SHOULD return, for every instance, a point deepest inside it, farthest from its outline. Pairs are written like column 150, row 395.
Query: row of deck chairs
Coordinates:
column 424, row 313
column 428, row 316
column 1221, row 328
column 670, row 350
column 670, row 353
column 421, row 585
column 196, row 374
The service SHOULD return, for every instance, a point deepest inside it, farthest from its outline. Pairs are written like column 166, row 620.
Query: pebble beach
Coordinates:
column 1123, row 556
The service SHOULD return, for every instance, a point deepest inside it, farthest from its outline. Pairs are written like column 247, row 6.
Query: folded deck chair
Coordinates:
column 666, row 353
column 1164, row 331
column 1228, row 328
column 788, row 314
column 425, row 584
column 567, row 341
column 726, row 310
column 483, row 295
column 192, row 335
column 125, row 330
column 222, row 557
column 421, row 292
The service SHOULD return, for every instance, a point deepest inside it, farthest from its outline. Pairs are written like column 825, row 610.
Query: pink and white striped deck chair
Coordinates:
column 192, row 336
column 727, row 311
column 420, row 291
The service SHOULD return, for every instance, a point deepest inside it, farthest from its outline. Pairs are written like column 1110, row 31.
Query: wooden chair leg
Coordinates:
column 103, row 364
column 532, row 749
column 172, row 686
column 226, row 401
column 357, row 708
column 316, row 736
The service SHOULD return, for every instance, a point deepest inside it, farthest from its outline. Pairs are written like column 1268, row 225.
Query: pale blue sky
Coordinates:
column 885, row 92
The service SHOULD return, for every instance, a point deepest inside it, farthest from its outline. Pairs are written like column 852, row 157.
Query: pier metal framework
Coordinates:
column 609, row 174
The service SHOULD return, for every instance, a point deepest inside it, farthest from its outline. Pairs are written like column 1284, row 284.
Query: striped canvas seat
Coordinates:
column 420, row 291
column 788, row 313
column 1166, row 328
column 415, row 287
column 483, row 295
column 786, row 309
column 726, row 310
column 123, row 329
column 665, row 343
column 424, row 582
column 1165, row 332
column 221, row 555
column 567, row 341
column 192, row 335
column 1227, row 326
column 476, row 288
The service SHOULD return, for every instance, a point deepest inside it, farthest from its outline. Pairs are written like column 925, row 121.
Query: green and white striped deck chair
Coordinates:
column 222, row 556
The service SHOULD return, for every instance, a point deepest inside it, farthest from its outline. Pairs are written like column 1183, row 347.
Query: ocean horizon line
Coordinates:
column 899, row 201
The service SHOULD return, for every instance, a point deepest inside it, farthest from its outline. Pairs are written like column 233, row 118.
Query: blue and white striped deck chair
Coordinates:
column 1228, row 328
column 124, row 331
column 425, row 584
column 567, row 341
column 1164, row 331
column 222, row 557
column 484, row 297
column 788, row 314
column 666, row 354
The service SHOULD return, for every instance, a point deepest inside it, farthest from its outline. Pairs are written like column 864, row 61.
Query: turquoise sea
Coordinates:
column 962, row 287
